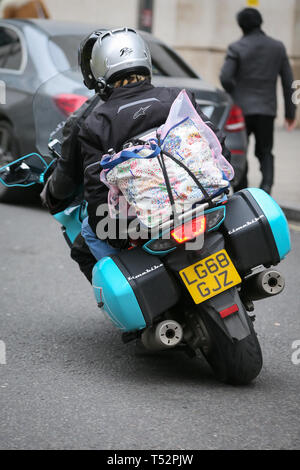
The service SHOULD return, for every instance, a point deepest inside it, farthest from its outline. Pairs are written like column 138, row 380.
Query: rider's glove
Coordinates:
column 45, row 194
column 46, row 197
column 53, row 205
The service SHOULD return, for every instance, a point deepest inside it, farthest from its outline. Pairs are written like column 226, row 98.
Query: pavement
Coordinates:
column 286, row 190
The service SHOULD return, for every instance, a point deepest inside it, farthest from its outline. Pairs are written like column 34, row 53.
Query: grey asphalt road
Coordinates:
column 69, row 382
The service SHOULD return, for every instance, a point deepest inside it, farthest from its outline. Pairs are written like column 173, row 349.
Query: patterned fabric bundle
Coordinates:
column 136, row 173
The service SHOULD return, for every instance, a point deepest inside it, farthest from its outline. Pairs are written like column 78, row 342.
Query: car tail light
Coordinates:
column 189, row 230
column 235, row 121
column 68, row 103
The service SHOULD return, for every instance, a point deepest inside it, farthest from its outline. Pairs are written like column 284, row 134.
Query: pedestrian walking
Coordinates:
column 249, row 74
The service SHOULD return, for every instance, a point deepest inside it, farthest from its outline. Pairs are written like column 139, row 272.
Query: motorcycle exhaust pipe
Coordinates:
column 165, row 335
column 262, row 285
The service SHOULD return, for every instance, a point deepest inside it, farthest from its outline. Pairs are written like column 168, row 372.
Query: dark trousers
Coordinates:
column 81, row 254
column 263, row 129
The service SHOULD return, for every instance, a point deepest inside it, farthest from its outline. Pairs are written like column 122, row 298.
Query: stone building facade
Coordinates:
column 200, row 30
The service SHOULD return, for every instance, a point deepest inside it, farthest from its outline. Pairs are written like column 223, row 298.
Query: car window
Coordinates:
column 166, row 62
column 10, row 49
column 64, row 51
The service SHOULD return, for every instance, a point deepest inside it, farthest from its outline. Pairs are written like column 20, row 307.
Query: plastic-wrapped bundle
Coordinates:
column 137, row 171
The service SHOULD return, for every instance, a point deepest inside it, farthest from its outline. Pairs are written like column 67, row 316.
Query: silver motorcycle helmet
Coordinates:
column 118, row 53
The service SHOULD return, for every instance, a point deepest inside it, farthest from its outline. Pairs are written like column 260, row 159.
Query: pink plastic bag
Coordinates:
column 136, row 174
column 183, row 108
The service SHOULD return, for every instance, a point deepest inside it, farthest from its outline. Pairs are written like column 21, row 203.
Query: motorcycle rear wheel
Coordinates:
column 233, row 362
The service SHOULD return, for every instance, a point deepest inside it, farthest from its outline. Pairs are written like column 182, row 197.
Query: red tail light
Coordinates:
column 68, row 103
column 235, row 121
column 189, row 230
column 229, row 311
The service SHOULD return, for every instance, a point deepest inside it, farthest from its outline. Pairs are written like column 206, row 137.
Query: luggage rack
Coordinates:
column 194, row 212
column 180, row 219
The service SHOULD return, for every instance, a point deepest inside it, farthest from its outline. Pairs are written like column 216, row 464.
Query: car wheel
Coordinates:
column 9, row 151
column 8, row 143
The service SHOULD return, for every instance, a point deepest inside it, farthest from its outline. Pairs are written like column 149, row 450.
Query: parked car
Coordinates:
column 34, row 52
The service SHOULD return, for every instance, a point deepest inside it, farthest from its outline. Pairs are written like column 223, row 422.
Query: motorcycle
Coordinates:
column 199, row 300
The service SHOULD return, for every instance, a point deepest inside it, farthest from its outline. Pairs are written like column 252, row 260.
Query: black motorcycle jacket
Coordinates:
column 129, row 111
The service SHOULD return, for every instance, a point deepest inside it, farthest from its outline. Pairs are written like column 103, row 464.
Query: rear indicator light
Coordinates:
column 215, row 217
column 229, row 311
column 189, row 230
column 160, row 245
column 235, row 121
column 68, row 103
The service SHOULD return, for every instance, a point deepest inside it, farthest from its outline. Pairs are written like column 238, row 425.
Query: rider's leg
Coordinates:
column 81, row 254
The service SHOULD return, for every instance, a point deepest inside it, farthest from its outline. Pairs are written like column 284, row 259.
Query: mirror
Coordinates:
column 24, row 172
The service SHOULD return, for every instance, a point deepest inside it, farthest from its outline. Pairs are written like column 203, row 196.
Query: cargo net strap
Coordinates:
column 207, row 198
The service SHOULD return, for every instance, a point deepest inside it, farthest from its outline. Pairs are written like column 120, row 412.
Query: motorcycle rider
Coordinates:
column 117, row 64
column 65, row 182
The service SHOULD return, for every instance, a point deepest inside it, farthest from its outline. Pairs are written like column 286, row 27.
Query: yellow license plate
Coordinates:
column 210, row 276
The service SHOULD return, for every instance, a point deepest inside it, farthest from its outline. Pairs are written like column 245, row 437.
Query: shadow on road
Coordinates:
column 97, row 354
column 30, row 202
column 21, row 196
